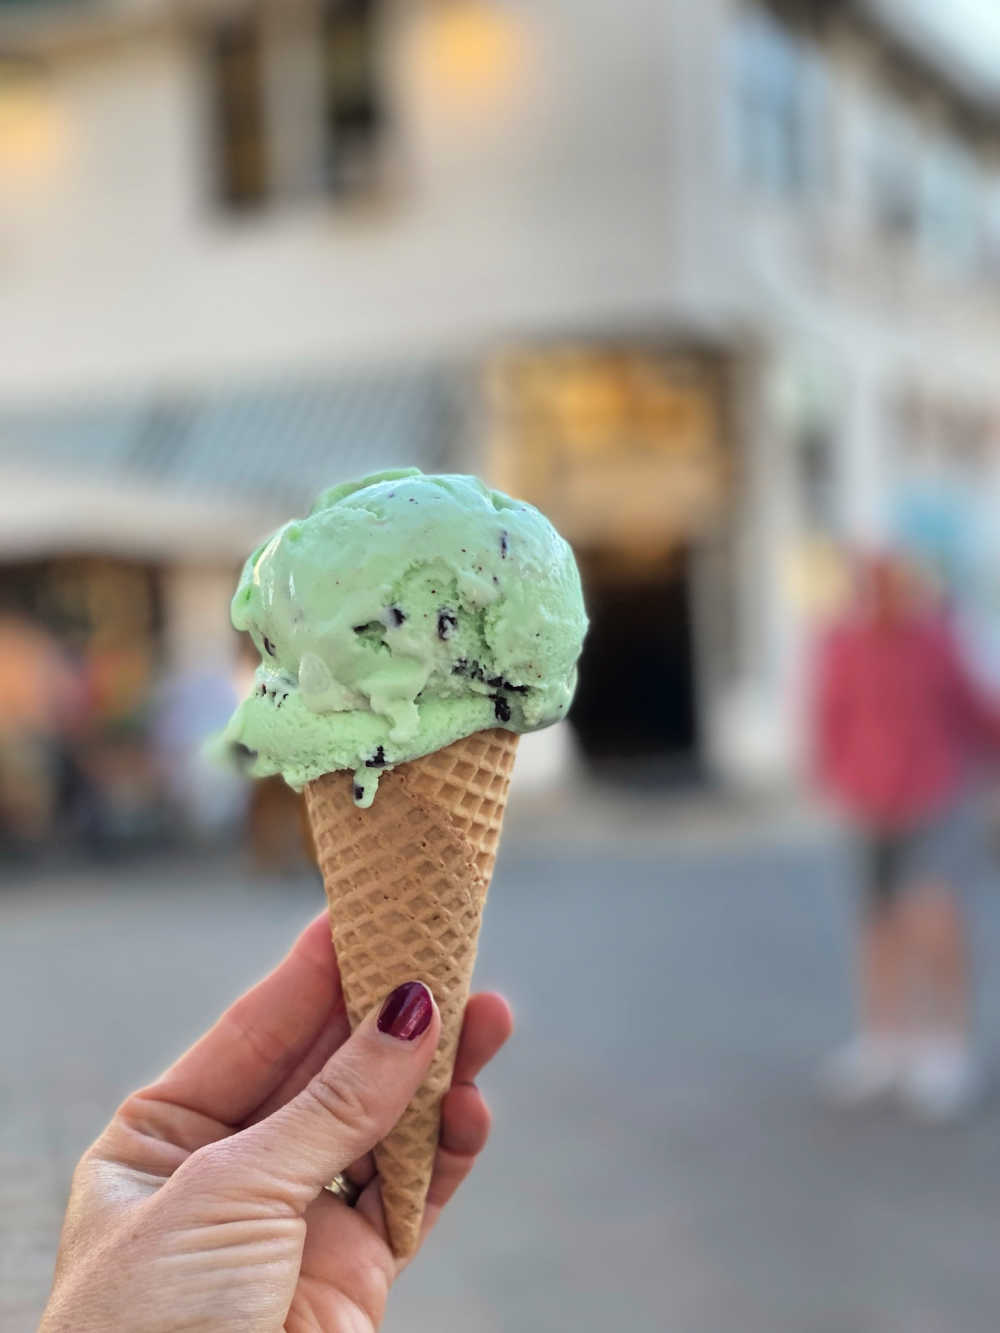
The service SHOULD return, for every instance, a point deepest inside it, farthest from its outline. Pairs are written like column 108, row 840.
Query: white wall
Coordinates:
column 115, row 269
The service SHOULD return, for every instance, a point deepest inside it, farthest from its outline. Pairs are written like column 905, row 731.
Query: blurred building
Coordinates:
column 715, row 284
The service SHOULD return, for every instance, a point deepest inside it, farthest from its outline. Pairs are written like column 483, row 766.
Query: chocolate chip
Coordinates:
column 377, row 760
column 359, row 793
column 269, row 647
column 396, row 616
column 447, row 624
column 498, row 683
column 463, row 667
column 501, row 708
column 503, row 546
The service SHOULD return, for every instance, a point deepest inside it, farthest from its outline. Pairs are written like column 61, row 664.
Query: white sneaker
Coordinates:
column 867, row 1069
column 943, row 1081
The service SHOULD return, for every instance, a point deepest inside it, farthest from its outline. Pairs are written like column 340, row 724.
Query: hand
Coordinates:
column 201, row 1205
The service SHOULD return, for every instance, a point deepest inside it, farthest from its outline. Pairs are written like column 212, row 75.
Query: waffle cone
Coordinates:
column 406, row 882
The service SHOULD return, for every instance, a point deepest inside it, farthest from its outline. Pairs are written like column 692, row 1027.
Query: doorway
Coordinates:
column 635, row 705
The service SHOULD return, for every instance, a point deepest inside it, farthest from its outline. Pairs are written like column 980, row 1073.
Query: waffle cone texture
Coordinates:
column 406, row 881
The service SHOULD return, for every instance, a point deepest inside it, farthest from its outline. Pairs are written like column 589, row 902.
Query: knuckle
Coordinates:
column 343, row 1094
column 203, row 1162
column 134, row 1110
column 208, row 1164
column 147, row 1113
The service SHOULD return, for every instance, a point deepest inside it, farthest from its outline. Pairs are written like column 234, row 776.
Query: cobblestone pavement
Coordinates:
column 659, row 1164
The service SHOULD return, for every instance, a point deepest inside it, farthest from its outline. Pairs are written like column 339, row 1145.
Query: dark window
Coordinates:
column 352, row 111
column 297, row 103
column 894, row 174
column 895, row 201
column 242, row 158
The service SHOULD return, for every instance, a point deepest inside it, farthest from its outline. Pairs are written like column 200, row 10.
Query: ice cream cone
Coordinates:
column 406, row 881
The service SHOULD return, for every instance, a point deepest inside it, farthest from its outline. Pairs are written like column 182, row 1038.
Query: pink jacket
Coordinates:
column 897, row 719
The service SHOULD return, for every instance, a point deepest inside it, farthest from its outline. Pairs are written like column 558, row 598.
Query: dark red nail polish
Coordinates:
column 407, row 1011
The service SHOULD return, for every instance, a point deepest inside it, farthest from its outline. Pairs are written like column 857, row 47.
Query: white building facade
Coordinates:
column 203, row 202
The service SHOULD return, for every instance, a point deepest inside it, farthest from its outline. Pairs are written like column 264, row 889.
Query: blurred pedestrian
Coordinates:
column 43, row 702
column 206, row 800
column 898, row 726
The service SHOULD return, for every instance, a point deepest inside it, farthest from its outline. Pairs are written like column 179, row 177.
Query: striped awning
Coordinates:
column 277, row 444
column 206, row 475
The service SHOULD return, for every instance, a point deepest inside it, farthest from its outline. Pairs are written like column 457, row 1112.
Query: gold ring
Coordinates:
column 342, row 1188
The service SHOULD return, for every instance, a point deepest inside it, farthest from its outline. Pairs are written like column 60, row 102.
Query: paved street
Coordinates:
column 659, row 1164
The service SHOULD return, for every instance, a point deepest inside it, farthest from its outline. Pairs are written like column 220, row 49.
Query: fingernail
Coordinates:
column 407, row 1011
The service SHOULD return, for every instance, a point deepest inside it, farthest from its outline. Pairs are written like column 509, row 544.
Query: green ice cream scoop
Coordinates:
column 405, row 612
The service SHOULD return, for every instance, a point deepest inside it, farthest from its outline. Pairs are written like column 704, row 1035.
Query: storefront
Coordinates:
column 623, row 446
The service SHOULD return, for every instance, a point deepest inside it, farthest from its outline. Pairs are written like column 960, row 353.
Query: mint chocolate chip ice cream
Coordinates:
column 405, row 612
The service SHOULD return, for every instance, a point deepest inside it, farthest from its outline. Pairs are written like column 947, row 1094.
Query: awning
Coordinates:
column 237, row 458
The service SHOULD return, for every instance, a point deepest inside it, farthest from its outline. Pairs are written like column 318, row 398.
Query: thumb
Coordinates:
column 350, row 1105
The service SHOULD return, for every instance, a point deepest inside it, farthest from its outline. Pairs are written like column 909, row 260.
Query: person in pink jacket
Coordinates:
column 899, row 728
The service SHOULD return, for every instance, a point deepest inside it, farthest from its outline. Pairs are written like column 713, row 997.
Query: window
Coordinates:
column 950, row 205
column 991, row 229
column 776, row 105
column 894, row 169
column 352, row 110
column 297, row 103
column 235, row 56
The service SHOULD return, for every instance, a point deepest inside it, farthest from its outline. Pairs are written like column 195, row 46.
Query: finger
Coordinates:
column 465, row 1123
column 465, row 1117
column 487, row 1025
column 350, row 1105
column 342, row 1252
column 258, row 1041
column 362, row 1172
column 166, row 1129
column 465, row 1128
